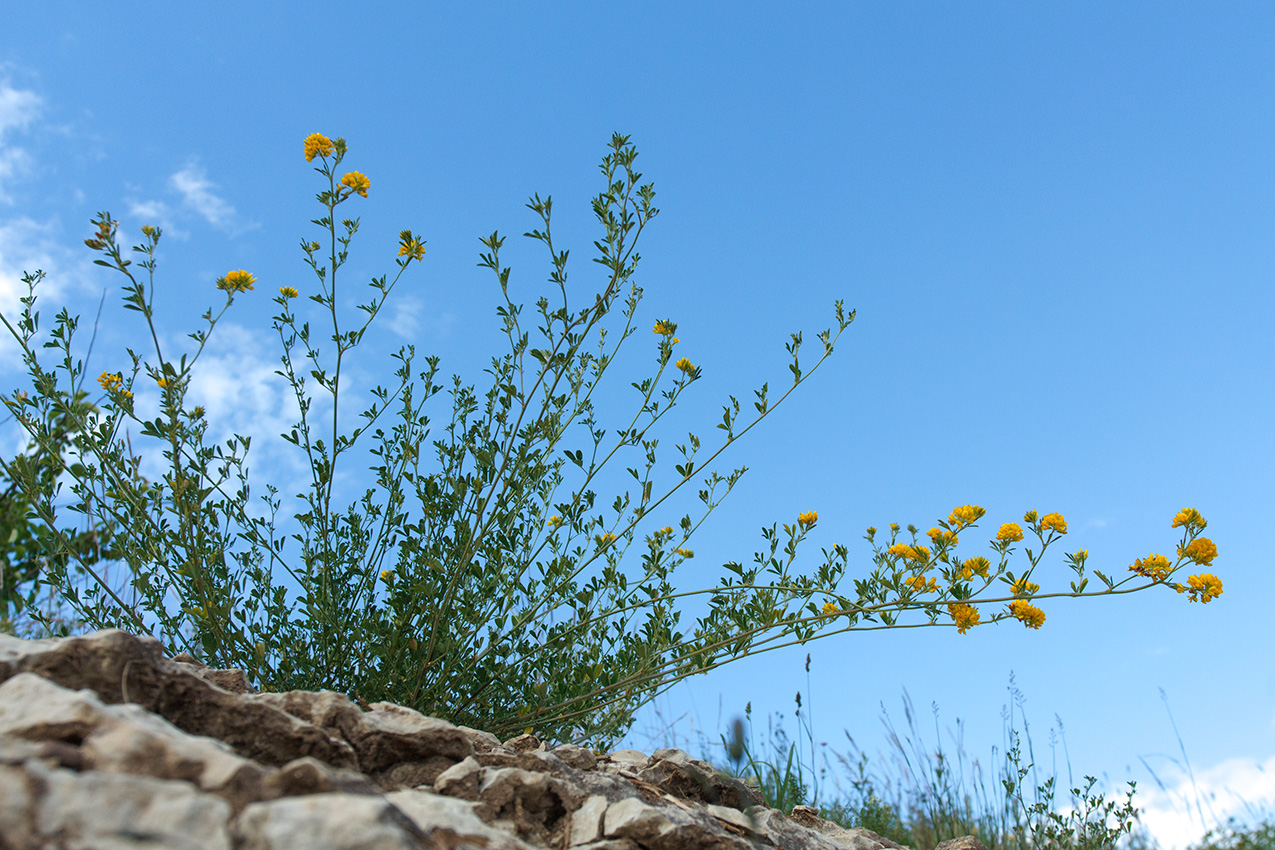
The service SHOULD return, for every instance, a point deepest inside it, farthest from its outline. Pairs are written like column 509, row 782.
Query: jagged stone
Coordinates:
column 106, row 743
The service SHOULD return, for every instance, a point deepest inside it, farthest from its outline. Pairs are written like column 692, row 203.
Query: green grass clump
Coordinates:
column 928, row 795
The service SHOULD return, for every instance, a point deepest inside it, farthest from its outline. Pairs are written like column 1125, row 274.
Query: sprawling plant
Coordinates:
column 481, row 579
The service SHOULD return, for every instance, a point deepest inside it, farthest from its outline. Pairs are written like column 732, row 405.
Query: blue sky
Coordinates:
column 1053, row 220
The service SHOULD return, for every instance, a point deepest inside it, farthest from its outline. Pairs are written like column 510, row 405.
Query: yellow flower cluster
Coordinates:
column 288, row 291
column 664, row 327
column 555, row 521
column 607, row 539
column 685, row 365
column 1023, row 587
column 807, row 519
column 1189, row 517
column 163, row 383
column 236, row 281
column 317, row 144
column 1029, row 614
column 685, row 553
column 1200, row 550
column 113, row 382
column 963, row 614
column 1155, row 567
column 920, row 554
column 941, row 537
column 966, row 515
column 830, row 608
column 1010, row 532
column 355, row 181
column 409, row 246
column 1203, row 587
column 920, row 585
column 1053, row 521
column 975, row 566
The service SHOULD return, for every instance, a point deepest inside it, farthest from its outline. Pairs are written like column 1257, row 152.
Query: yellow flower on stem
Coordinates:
column 1010, row 532
column 555, row 521
column 685, row 365
column 963, row 614
column 1023, row 587
column 288, row 291
column 1189, row 517
column 830, row 608
column 807, row 519
column 1154, row 567
column 975, row 566
column 410, row 246
column 1053, row 521
column 965, row 515
column 110, row 381
column 685, row 553
column 920, row 585
column 236, row 281
column 163, row 383
column 1031, row 616
column 1204, row 587
column 317, row 144
column 607, row 539
column 664, row 327
column 940, row 537
column 356, row 182
column 1201, row 550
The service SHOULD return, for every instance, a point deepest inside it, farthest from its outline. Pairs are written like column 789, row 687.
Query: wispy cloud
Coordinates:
column 157, row 213
column 1180, row 811
column 198, row 195
column 18, row 108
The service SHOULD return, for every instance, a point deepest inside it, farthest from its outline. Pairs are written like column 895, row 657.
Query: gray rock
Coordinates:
column 106, row 743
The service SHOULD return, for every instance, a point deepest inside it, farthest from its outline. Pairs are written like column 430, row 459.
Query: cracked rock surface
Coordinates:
column 106, row 743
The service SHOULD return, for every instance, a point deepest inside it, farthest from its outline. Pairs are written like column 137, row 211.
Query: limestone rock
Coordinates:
column 106, row 743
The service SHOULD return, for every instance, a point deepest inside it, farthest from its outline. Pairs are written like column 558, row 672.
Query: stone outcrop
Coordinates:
column 106, row 743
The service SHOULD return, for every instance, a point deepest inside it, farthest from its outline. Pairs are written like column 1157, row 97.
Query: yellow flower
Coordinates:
column 976, row 566
column 1009, row 533
column 1029, row 614
column 966, row 515
column 1029, row 517
column 685, row 553
column 1054, row 521
column 236, row 281
column 920, row 554
column 808, row 518
column 607, row 539
column 288, row 291
column 1153, row 566
column 317, row 144
column 939, row 536
column 830, row 608
column 110, row 381
column 675, row 340
column 685, row 365
column 409, row 245
column 963, row 614
column 555, row 521
column 664, row 327
column 163, row 383
column 1189, row 516
column 385, row 576
column 1201, row 550
column 894, row 527
column 1023, row 587
column 1206, row 587
column 356, row 182
column 920, row 585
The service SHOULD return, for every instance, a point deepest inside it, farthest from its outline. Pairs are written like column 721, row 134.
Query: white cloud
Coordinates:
column 197, row 194
column 27, row 246
column 158, row 213
column 18, row 108
column 406, row 320
column 1235, row 787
